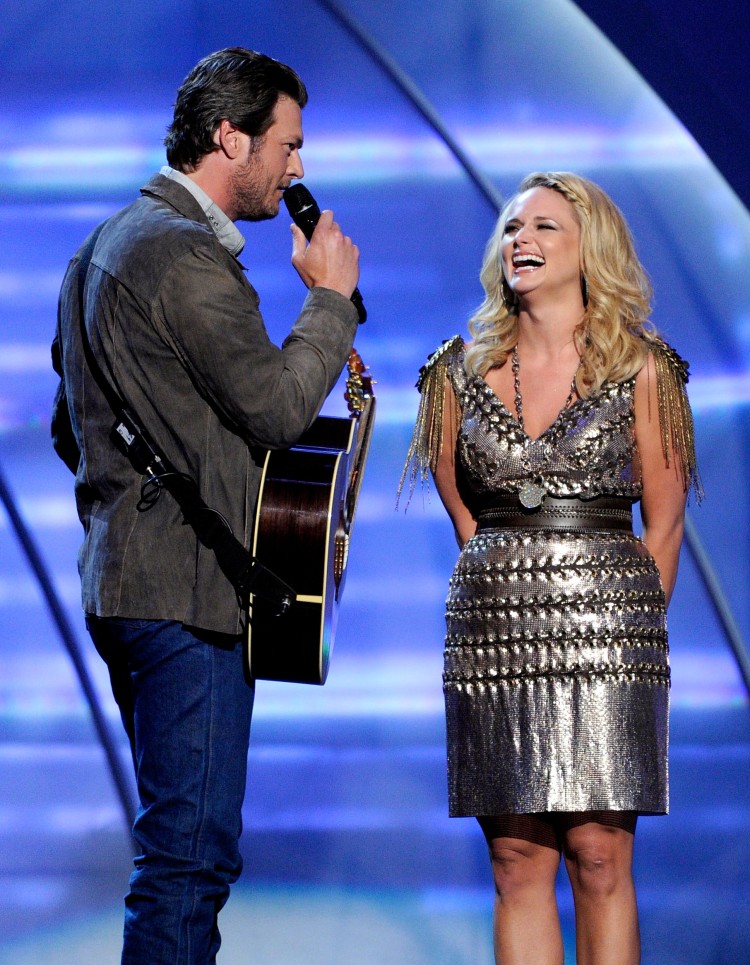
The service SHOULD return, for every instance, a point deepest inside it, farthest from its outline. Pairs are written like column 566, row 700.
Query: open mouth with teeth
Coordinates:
column 527, row 262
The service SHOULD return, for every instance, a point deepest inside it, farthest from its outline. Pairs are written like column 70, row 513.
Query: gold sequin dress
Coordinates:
column 556, row 674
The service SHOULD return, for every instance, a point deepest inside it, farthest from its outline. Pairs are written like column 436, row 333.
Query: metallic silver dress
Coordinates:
column 556, row 660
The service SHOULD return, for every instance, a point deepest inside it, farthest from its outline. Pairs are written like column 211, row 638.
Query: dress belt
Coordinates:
column 556, row 513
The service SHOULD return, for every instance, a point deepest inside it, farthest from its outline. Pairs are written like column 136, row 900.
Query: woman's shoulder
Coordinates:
column 666, row 374
column 666, row 359
column 449, row 352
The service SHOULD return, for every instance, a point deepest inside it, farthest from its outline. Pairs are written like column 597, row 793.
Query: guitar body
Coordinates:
column 303, row 523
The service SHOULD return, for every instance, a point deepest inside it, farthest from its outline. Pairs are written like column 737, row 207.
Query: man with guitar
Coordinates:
column 158, row 322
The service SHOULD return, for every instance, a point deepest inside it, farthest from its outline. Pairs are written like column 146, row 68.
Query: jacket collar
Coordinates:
column 175, row 195
column 187, row 203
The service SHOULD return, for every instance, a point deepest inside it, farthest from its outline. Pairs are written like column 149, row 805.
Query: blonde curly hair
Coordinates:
column 612, row 338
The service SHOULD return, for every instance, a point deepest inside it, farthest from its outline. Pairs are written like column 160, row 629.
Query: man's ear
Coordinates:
column 229, row 139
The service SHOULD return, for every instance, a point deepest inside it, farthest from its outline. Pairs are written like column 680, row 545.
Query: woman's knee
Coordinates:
column 599, row 858
column 518, row 866
column 519, row 863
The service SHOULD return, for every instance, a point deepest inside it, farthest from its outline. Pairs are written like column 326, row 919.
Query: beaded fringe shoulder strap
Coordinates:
column 427, row 439
column 675, row 416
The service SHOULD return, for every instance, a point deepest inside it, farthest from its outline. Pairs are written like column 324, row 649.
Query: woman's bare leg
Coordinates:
column 598, row 851
column 525, row 858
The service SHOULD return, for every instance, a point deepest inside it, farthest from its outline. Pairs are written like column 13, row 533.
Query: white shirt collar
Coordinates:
column 224, row 228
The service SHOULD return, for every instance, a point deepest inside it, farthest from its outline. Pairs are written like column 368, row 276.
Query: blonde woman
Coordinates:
column 540, row 435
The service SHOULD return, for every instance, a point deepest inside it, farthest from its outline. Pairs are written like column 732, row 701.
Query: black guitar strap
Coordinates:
column 128, row 434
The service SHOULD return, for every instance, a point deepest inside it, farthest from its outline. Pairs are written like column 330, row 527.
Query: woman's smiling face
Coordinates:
column 541, row 244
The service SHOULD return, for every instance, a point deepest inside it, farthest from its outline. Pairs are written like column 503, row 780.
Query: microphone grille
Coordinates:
column 297, row 199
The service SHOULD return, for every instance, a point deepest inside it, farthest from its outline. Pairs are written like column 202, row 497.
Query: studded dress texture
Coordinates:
column 556, row 675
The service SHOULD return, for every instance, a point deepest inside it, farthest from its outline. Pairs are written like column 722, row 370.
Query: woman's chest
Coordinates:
column 590, row 444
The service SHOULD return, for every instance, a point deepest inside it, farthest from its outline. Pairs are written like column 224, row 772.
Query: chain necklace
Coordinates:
column 533, row 490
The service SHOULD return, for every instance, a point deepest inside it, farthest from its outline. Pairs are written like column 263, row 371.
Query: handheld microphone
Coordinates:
column 305, row 213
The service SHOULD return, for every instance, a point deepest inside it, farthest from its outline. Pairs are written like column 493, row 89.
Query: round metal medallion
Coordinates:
column 531, row 494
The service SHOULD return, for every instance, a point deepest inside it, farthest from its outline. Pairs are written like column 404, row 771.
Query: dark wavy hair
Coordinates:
column 235, row 84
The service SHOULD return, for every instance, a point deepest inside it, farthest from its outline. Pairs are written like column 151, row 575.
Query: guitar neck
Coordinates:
column 358, row 458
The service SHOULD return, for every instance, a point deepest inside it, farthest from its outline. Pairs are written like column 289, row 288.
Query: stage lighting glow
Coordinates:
column 50, row 165
column 397, row 405
column 719, row 392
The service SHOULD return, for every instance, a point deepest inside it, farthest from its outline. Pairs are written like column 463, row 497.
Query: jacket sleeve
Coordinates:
column 211, row 318
column 63, row 438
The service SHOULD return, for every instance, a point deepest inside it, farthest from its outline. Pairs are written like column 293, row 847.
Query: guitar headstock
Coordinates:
column 358, row 384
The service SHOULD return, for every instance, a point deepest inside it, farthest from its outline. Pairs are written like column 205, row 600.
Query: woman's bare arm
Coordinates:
column 445, row 475
column 664, row 486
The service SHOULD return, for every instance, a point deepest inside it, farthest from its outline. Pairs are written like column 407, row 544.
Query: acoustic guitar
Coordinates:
column 303, row 525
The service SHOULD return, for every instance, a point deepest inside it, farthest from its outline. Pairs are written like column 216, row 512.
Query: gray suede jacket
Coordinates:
column 175, row 325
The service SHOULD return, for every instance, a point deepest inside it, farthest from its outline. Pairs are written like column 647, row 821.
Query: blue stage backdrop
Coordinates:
column 347, row 845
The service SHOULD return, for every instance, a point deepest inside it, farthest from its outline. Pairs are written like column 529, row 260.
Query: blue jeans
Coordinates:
column 186, row 707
